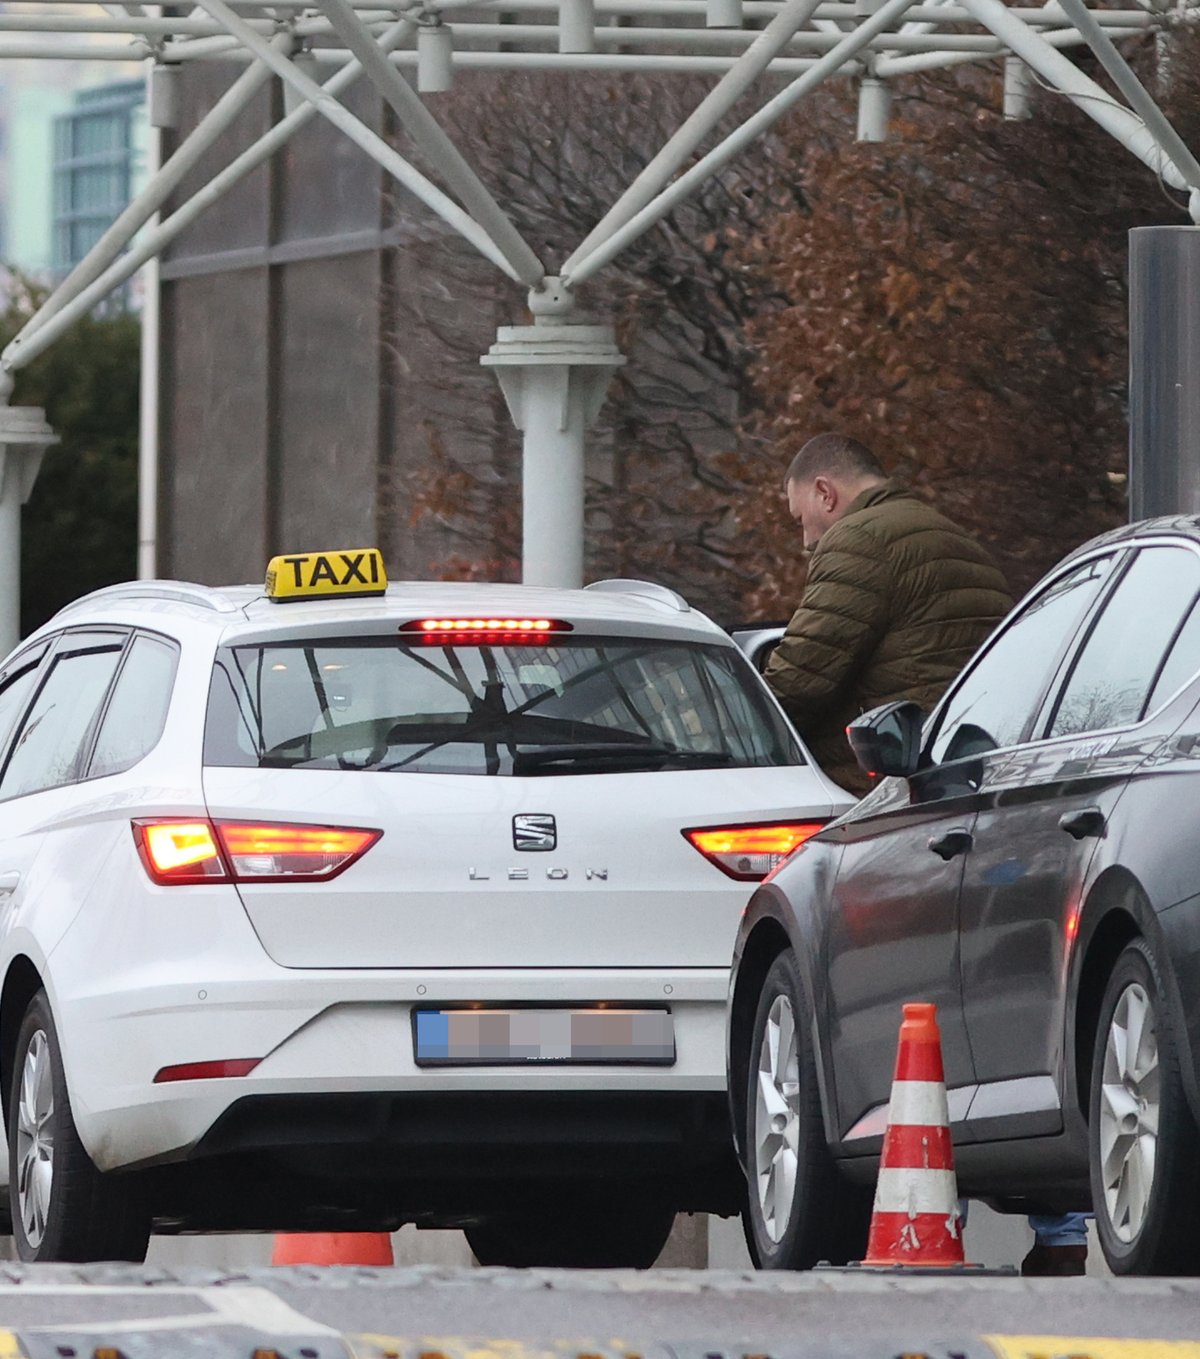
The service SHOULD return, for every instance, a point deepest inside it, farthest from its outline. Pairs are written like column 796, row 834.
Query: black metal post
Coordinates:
column 1164, row 371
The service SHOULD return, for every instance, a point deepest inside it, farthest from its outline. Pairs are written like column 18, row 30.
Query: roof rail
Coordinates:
column 647, row 589
column 178, row 591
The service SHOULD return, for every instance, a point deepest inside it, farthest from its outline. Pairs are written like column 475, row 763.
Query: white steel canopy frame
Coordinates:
column 553, row 372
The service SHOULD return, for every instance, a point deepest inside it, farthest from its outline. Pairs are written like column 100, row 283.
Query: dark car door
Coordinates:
column 894, row 935
column 1043, row 807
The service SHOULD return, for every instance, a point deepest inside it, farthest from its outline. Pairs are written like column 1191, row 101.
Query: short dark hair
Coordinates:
column 834, row 455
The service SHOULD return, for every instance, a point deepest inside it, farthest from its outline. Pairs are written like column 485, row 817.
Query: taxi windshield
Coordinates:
column 574, row 705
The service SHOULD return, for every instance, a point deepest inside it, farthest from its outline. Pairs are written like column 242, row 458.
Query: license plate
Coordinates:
column 525, row 1037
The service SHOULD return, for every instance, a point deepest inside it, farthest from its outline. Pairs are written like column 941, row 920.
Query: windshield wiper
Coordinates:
column 582, row 759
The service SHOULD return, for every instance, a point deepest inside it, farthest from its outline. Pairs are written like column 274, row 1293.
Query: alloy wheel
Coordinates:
column 35, row 1139
column 777, row 1118
column 1130, row 1098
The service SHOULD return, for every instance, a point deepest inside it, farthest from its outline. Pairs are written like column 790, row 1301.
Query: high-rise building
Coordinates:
column 99, row 154
column 86, row 114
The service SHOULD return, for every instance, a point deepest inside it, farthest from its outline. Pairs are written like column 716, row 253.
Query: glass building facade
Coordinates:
column 98, row 157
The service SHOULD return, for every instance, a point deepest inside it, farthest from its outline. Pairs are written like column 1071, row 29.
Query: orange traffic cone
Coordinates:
column 332, row 1248
column 915, row 1219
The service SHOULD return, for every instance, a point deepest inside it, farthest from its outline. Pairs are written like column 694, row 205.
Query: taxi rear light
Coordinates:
column 749, row 853
column 270, row 852
column 484, row 628
column 206, row 1071
column 178, row 852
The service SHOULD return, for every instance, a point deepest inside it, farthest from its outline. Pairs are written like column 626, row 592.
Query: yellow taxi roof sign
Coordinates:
column 314, row 575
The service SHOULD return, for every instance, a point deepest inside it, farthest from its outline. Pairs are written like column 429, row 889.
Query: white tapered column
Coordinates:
column 24, row 437
column 874, row 109
column 554, row 377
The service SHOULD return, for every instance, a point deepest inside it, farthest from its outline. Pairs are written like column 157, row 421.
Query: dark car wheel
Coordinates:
column 799, row 1209
column 620, row 1235
column 63, row 1208
column 1144, row 1144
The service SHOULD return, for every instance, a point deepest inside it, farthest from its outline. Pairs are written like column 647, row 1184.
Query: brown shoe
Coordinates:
column 1054, row 1261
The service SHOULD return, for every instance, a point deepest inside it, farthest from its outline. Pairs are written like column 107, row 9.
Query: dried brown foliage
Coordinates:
column 957, row 300
column 955, row 297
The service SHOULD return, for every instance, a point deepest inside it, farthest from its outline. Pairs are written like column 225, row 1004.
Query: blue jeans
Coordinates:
column 1051, row 1229
column 1060, row 1229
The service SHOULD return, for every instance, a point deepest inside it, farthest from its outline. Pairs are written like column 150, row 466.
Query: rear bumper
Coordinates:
column 344, row 1040
column 375, row 1161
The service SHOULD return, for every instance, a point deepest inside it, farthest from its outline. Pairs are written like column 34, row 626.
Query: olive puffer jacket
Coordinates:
column 897, row 599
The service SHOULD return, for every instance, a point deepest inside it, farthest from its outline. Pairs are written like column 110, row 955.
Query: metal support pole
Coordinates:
column 432, row 139
column 363, row 137
column 587, row 264
column 874, row 109
column 304, row 60
column 148, row 408
column 1016, row 89
column 1164, row 371
column 724, row 14
column 32, row 50
column 700, row 123
column 24, row 438
column 577, row 26
column 554, row 377
column 435, row 58
column 888, row 67
column 1132, row 88
column 1082, row 91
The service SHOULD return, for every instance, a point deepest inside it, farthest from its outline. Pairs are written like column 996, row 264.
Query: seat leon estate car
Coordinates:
column 339, row 905
column 1029, row 862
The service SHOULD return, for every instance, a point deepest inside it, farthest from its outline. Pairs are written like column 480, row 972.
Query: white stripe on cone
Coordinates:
column 919, row 1103
column 907, row 1190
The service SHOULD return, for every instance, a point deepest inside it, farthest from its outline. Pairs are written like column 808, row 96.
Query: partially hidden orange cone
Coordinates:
column 333, row 1248
column 915, row 1219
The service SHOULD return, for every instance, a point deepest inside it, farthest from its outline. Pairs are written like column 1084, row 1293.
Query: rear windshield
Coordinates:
column 578, row 705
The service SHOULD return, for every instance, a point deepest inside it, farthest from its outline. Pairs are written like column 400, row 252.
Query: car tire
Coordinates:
column 799, row 1209
column 626, row 1236
column 63, row 1208
column 1144, row 1146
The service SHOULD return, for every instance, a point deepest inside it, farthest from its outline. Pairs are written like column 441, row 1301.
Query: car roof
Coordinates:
column 243, row 613
column 1167, row 525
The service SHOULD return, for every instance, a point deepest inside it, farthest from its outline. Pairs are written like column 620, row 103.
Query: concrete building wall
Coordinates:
column 291, row 379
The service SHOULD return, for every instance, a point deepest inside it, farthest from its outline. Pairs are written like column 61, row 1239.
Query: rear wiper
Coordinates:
column 579, row 759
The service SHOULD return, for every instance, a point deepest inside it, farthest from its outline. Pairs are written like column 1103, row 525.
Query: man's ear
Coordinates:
column 827, row 492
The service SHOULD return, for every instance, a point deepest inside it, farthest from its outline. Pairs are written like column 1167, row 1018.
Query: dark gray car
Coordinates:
column 1030, row 861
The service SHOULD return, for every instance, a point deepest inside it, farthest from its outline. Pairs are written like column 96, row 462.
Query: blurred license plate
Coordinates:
column 517, row 1037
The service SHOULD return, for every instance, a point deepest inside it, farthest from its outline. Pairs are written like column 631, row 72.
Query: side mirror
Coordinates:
column 887, row 740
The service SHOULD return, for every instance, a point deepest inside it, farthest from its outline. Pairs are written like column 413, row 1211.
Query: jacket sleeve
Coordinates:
column 840, row 621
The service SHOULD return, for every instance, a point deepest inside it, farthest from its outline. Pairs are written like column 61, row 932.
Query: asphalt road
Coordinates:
column 426, row 1312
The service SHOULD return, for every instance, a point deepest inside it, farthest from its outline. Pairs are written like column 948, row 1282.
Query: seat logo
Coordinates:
column 534, row 831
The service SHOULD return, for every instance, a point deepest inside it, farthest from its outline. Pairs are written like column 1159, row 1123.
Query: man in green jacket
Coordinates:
column 897, row 600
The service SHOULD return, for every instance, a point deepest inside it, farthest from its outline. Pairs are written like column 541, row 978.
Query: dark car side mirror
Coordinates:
column 887, row 740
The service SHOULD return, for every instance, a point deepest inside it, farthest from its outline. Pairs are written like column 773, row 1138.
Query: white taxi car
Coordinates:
column 342, row 905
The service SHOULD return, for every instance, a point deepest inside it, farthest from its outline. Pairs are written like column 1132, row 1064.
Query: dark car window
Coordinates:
column 573, row 705
column 993, row 705
column 1182, row 662
column 1116, row 666
column 50, row 747
column 16, row 688
column 137, row 710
